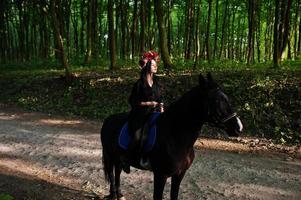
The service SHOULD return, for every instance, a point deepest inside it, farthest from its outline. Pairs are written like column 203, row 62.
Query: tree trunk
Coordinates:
column 149, row 33
column 281, row 29
column 21, row 31
column 88, row 55
column 134, row 29
column 295, row 27
column 94, row 30
column 228, row 35
column 251, row 32
column 267, row 34
column 169, row 25
column 111, row 35
column 3, row 34
column 286, row 23
column 75, row 29
column 189, row 28
column 233, row 34
column 197, row 35
column 162, row 34
column 82, row 30
column 223, row 28
column 208, row 31
column 142, row 26
column 241, row 57
column 289, row 51
column 59, row 39
column 276, row 24
column 100, row 38
column 299, row 41
column 216, row 30
column 258, row 29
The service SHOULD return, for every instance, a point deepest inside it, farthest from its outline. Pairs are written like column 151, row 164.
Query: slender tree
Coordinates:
column 216, row 29
column 281, row 28
column 89, row 37
column 59, row 39
column 258, row 29
column 276, row 29
column 197, row 35
column 208, row 30
column 111, row 34
column 162, row 34
column 142, row 26
column 189, row 28
column 223, row 28
column 251, row 33
column 134, row 29
column 299, row 41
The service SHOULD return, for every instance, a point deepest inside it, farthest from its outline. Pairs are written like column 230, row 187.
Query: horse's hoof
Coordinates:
column 110, row 197
column 120, row 196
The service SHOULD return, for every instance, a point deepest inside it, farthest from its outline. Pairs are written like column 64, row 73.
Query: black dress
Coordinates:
column 142, row 92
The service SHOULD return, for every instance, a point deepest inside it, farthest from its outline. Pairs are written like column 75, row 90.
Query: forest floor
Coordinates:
column 52, row 157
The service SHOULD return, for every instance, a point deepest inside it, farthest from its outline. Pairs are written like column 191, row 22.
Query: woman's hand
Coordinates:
column 161, row 107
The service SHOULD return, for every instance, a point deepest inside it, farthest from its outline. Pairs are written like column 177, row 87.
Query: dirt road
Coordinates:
column 50, row 157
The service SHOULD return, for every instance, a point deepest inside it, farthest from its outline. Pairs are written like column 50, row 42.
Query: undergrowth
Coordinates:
column 268, row 100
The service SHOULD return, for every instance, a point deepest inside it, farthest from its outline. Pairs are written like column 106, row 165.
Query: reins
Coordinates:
column 229, row 117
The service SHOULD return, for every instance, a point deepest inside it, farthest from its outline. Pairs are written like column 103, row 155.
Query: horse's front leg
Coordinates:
column 117, row 183
column 159, row 183
column 175, row 185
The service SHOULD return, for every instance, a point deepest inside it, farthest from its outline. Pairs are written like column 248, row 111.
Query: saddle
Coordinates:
column 148, row 135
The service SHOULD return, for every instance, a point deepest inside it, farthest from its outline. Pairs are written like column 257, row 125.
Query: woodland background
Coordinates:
column 79, row 57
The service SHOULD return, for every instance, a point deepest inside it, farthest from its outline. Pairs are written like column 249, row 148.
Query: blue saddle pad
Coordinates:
column 125, row 138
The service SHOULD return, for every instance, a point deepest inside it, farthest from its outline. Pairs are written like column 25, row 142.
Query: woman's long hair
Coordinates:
column 145, row 70
column 157, row 87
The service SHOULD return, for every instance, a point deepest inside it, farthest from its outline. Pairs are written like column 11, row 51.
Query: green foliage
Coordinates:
column 5, row 197
column 268, row 100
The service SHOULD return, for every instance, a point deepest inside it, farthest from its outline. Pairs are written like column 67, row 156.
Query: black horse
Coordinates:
column 177, row 130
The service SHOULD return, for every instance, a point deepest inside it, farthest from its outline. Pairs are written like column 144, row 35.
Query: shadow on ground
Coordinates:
column 23, row 187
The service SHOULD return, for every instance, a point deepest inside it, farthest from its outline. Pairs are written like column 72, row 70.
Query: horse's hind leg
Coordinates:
column 117, row 183
column 112, row 195
column 159, row 183
column 175, row 185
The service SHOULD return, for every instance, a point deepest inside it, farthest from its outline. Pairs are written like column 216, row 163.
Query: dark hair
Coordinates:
column 144, row 72
column 141, row 63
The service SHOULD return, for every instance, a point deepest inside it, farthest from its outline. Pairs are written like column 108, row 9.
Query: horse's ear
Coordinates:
column 209, row 77
column 202, row 81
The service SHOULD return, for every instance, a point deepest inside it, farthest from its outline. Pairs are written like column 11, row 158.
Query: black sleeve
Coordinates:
column 134, row 96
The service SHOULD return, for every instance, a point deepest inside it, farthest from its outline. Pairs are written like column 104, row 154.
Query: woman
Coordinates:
column 145, row 99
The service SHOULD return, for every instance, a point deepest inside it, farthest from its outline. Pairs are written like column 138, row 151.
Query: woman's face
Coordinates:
column 154, row 67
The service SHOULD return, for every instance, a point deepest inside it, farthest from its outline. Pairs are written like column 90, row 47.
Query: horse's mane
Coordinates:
column 186, row 109
column 182, row 103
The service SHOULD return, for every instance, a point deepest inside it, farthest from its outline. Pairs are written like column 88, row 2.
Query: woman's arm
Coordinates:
column 134, row 98
column 149, row 103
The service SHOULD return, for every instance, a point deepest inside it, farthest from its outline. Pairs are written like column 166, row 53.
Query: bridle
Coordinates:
column 229, row 117
column 216, row 119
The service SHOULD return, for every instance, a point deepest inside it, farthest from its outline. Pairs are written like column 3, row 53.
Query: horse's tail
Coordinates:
column 106, row 165
column 106, row 161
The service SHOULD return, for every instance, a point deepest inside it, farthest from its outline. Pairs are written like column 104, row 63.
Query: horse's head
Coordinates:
column 220, row 111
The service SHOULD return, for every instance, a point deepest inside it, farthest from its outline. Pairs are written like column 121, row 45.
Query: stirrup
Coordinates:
column 126, row 167
column 145, row 164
